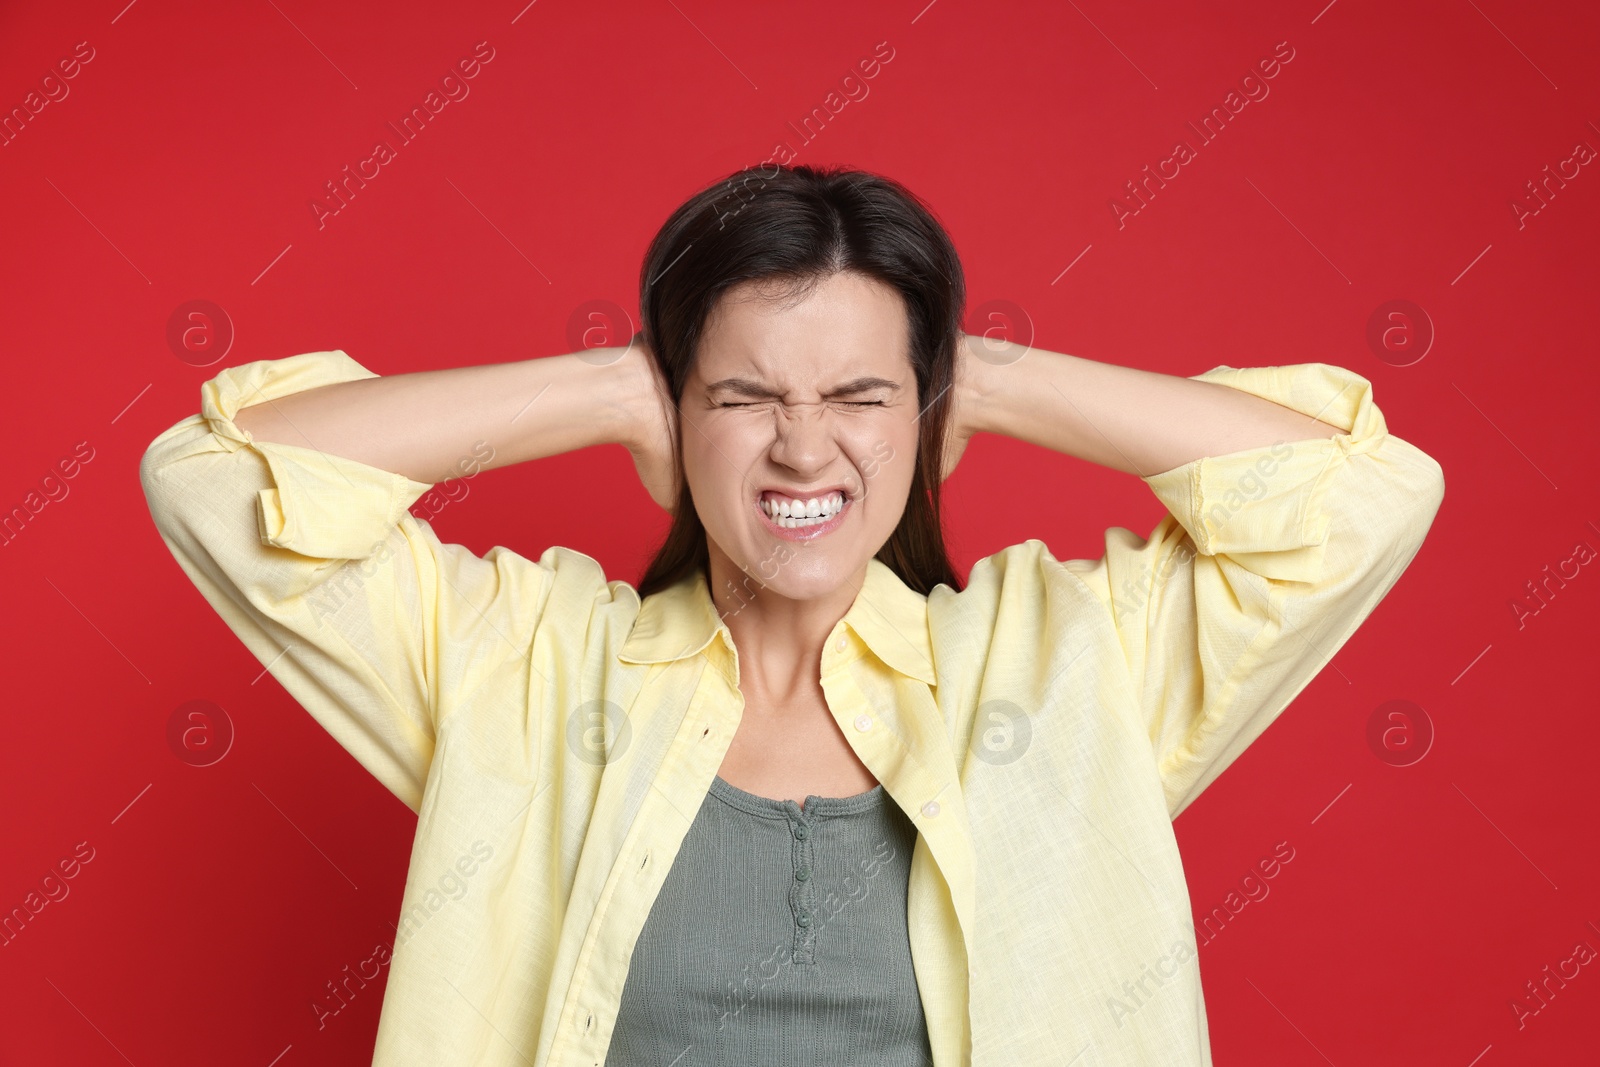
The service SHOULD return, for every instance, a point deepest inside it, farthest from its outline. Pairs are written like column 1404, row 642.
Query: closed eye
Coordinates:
column 846, row 403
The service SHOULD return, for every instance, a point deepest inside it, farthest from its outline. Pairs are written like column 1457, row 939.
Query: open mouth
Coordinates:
column 791, row 515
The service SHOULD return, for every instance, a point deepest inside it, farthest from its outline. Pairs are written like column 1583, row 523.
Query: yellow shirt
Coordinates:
column 556, row 736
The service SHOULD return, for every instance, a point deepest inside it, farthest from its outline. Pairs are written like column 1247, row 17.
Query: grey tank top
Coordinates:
column 779, row 937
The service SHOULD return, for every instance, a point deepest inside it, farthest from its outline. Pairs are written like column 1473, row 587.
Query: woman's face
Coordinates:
column 798, row 401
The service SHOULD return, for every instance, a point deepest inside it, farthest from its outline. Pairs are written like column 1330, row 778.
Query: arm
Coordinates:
column 421, row 424
column 1270, row 556
column 1135, row 421
column 301, row 540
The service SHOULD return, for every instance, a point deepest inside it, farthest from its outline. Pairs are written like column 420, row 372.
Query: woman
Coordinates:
column 802, row 795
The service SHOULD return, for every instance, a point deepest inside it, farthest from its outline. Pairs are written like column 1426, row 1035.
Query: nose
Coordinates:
column 803, row 440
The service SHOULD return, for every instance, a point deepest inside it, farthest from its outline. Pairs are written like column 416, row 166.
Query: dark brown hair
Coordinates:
column 794, row 226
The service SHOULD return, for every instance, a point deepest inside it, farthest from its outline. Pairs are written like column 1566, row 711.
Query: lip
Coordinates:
column 807, row 533
column 807, row 494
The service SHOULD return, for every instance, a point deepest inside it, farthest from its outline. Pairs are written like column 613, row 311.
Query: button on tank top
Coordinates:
column 779, row 937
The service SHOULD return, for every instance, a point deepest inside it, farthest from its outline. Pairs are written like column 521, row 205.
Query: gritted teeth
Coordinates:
column 782, row 506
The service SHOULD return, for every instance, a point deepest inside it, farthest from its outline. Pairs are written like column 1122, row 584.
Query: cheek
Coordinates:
column 711, row 465
column 701, row 452
column 889, row 456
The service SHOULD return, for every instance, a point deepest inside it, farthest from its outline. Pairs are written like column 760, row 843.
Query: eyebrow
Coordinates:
column 749, row 387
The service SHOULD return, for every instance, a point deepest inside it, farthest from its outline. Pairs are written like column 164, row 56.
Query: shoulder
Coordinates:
column 1012, row 579
column 1018, row 604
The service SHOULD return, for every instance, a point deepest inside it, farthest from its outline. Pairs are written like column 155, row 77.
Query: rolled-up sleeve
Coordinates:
column 314, row 561
column 1267, row 561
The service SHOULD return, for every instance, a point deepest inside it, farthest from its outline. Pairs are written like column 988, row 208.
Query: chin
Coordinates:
column 801, row 572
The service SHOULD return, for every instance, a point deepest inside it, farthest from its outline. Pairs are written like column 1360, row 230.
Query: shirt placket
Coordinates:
column 802, row 886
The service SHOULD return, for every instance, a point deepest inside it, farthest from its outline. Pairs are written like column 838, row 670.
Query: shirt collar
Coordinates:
column 888, row 615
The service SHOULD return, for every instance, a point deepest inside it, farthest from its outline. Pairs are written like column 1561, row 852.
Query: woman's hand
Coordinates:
column 653, row 428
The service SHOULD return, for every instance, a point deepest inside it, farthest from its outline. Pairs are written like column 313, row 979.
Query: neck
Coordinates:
column 780, row 616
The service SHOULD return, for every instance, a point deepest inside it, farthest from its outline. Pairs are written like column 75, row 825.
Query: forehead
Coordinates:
column 846, row 325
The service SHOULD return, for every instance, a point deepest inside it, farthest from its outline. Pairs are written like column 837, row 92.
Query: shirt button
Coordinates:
column 803, row 919
column 839, row 644
column 931, row 808
column 863, row 722
column 800, row 832
column 802, row 874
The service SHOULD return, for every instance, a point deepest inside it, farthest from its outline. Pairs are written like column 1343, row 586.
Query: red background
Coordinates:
column 1382, row 166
